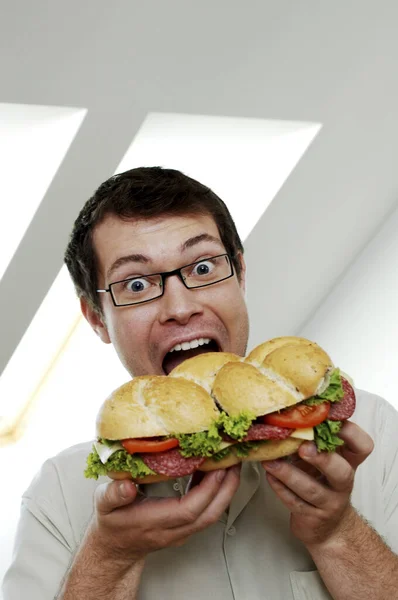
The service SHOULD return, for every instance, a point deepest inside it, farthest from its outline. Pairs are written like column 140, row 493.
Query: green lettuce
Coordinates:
column 221, row 454
column 203, row 443
column 107, row 442
column 325, row 435
column 119, row 461
column 242, row 450
column 333, row 393
column 238, row 426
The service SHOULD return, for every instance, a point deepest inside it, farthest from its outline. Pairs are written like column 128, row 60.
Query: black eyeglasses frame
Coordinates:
column 167, row 274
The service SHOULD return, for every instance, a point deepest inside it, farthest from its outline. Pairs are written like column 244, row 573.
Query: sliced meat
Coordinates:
column 227, row 438
column 267, row 432
column 171, row 463
column 340, row 411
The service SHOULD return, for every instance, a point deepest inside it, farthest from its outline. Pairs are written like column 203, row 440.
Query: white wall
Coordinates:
column 358, row 322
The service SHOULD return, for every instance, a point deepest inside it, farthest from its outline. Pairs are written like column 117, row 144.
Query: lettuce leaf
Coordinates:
column 221, row 454
column 238, row 426
column 107, row 442
column 333, row 393
column 203, row 443
column 242, row 450
column 120, row 461
column 325, row 435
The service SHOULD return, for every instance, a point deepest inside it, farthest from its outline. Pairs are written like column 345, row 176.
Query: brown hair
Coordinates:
column 145, row 192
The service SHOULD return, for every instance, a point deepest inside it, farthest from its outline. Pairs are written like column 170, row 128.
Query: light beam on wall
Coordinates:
column 245, row 161
column 33, row 143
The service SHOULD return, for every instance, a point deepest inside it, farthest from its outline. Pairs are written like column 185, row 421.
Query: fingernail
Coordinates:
column 310, row 450
column 272, row 464
column 220, row 475
column 124, row 490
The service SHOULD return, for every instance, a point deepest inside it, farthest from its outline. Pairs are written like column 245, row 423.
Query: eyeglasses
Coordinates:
column 145, row 288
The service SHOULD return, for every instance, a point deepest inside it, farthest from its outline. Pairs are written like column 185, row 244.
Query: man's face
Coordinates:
column 144, row 334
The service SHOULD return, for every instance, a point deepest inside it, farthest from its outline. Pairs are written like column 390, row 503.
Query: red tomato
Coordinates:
column 299, row 416
column 148, row 445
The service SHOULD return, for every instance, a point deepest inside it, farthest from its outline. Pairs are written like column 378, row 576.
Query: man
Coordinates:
column 284, row 530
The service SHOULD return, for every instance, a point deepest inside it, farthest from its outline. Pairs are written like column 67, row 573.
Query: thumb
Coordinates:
column 116, row 494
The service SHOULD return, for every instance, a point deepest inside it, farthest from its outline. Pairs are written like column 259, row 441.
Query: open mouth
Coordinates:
column 176, row 357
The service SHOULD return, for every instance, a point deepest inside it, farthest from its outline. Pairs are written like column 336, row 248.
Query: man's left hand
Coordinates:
column 316, row 486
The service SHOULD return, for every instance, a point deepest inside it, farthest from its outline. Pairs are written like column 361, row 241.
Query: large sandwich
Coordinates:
column 217, row 409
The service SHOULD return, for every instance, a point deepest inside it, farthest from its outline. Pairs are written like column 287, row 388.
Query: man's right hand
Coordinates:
column 130, row 527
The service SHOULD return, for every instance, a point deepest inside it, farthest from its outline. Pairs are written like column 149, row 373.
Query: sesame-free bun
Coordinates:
column 257, row 355
column 150, row 406
column 202, row 369
column 271, row 450
column 291, row 370
column 301, row 363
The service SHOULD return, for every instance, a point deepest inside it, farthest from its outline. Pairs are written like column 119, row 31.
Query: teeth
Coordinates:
column 192, row 344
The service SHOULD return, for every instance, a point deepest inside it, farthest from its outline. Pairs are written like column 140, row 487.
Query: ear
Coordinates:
column 242, row 281
column 95, row 320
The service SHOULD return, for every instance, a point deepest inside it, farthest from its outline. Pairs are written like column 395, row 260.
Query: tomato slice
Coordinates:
column 148, row 445
column 299, row 416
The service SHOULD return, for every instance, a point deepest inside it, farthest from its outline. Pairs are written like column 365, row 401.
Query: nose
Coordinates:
column 178, row 303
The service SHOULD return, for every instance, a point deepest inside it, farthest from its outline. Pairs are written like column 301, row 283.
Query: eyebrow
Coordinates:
column 142, row 259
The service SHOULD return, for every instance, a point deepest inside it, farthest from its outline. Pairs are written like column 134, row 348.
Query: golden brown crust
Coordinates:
column 241, row 386
column 151, row 406
column 258, row 354
column 304, row 366
column 202, row 369
column 300, row 363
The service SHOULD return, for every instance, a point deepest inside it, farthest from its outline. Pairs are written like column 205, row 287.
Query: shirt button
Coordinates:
column 231, row 531
column 177, row 487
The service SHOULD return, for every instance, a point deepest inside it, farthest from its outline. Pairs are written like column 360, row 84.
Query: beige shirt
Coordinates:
column 248, row 555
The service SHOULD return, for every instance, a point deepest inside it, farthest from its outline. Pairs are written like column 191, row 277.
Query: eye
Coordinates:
column 204, row 267
column 137, row 285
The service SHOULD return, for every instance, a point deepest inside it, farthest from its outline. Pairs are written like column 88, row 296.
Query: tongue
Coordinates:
column 173, row 359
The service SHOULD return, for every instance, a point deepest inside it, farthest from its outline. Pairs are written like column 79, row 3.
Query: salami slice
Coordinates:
column 267, row 432
column 171, row 463
column 340, row 411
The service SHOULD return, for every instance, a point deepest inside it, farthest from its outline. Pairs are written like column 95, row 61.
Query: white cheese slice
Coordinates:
column 225, row 445
column 303, row 434
column 104, row 451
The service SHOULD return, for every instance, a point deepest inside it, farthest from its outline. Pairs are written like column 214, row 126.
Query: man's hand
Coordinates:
column 130, row 527
column 316, row 486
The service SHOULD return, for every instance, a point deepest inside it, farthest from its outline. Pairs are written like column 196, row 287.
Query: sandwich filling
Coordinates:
column 319, row 418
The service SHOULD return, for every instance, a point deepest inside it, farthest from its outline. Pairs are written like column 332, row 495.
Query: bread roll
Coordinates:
column 150, row 406
column 291, row 370
column 202, row 369
column 275, row 375
column 300, row 363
